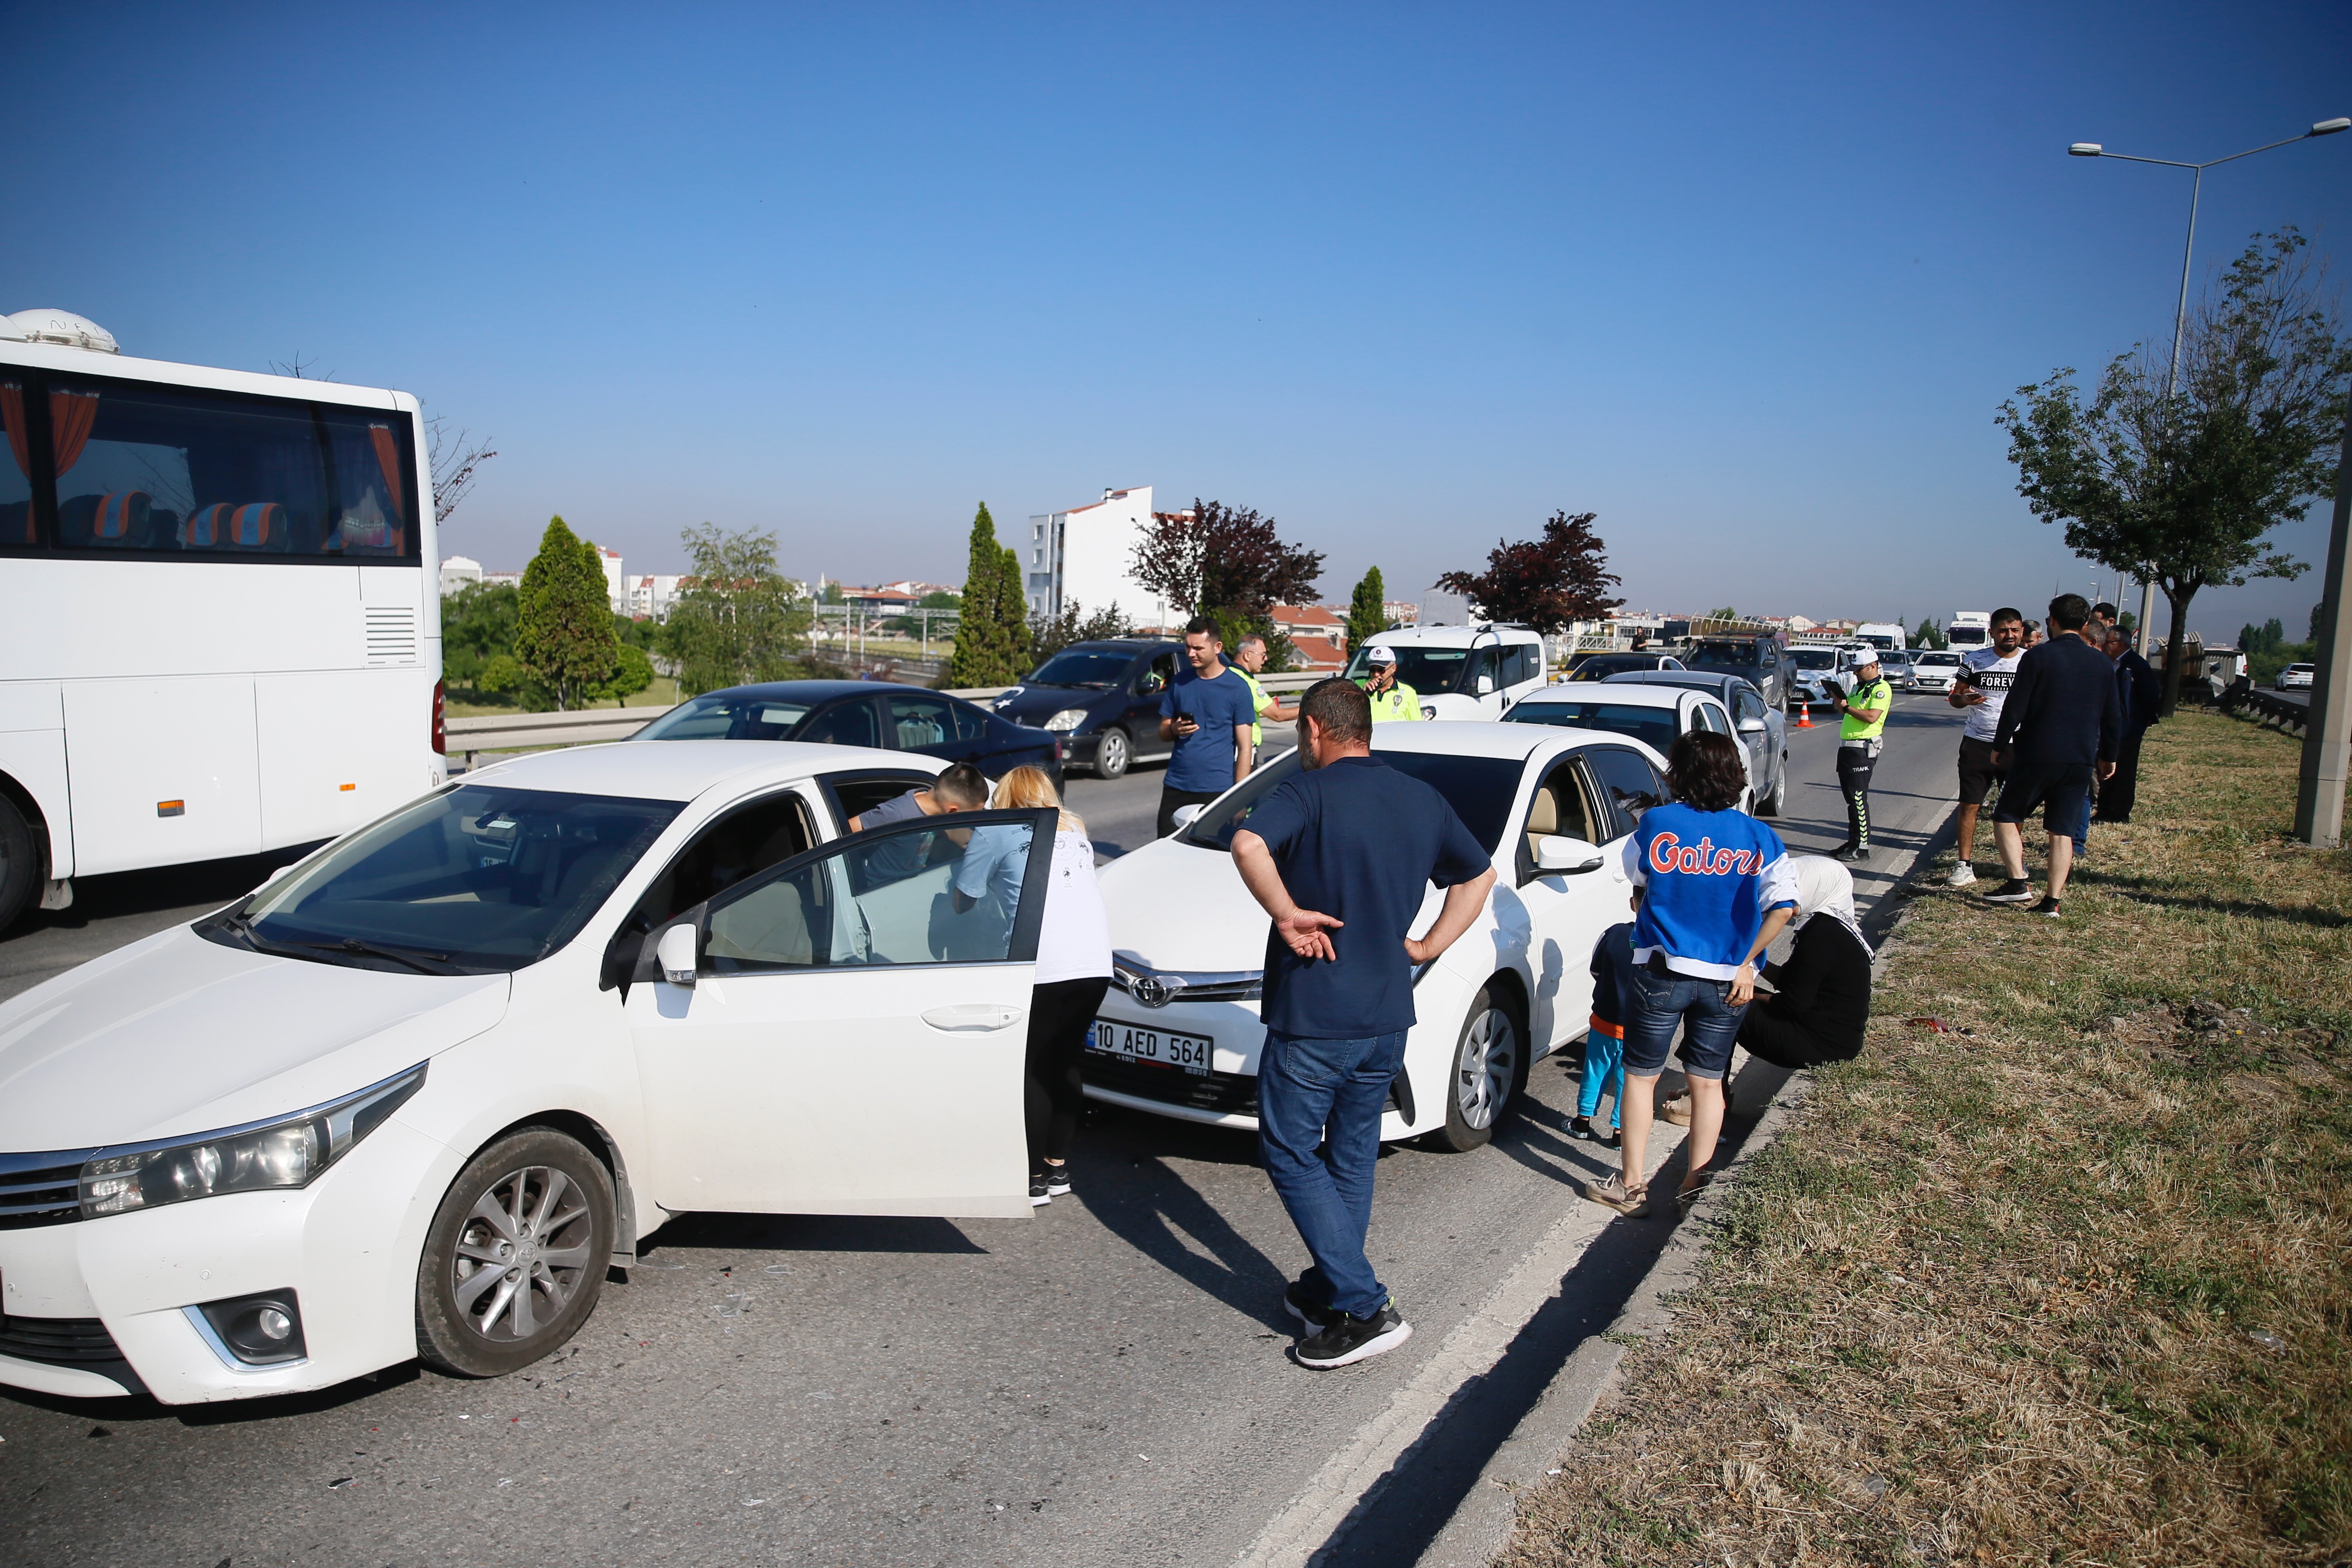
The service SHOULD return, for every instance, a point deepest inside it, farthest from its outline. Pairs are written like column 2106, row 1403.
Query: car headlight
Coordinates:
column 1067, row 719
column 268, row 1154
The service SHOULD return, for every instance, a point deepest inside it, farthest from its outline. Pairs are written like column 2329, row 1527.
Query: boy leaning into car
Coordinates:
column 1338, row 856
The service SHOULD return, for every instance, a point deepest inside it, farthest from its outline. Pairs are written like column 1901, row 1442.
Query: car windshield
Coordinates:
column 1741, row 654
column 1427, row 670
column 1478, row 788
column 475, row 879
column 1654, row 726
column 1604, row 666
column 1815, row 657
column 1938, row 658
column 727, row 716
column 1077, row 667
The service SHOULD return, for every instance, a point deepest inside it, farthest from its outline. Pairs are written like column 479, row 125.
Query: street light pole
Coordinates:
column 2328, row 725
column 2180, row 314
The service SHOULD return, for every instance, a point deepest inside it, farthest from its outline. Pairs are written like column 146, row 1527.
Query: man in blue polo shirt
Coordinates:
column 1211, row 714
column 1340, row 856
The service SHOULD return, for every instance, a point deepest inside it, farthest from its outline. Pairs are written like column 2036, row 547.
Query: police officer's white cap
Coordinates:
column 1380, row 653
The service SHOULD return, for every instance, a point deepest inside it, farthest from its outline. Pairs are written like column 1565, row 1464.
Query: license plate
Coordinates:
column 1191, row 1052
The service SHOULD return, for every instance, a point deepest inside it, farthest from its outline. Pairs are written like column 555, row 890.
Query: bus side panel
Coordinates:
column 33, row 753
column 163, row 771
column 339, row 749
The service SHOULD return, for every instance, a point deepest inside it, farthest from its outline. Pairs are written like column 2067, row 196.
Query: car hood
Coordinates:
column 176, row 1035
column 1178, row 905
column 1032, row 705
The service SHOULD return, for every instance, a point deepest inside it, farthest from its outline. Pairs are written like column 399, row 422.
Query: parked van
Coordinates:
column 1462, row 672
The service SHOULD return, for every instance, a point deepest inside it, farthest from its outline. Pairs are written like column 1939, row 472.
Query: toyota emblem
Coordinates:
column 1149, row 990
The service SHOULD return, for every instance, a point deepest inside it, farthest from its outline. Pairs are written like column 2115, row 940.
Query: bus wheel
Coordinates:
column 20, row 867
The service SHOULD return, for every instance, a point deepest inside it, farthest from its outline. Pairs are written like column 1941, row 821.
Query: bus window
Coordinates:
column 153, row 469
column 15, row 469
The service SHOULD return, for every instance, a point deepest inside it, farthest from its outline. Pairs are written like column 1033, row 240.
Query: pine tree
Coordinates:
column 564, row 623
column 1013, row 615
column 984, row 651
column 1367, row 609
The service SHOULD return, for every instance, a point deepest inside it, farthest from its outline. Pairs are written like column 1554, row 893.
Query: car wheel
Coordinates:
column 20, row 868
column 1778, row 801
column 1488, row 1072
column 1112, row 754
column 516, row 1256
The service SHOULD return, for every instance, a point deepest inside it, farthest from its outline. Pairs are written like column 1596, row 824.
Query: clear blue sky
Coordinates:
column 1749, row 282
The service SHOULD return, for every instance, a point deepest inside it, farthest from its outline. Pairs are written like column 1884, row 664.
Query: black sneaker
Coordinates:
column 1039, row 1194
column 2016, row 890
column 2047, row 908
column 1581, row 1128
column 1058, row 1178
column 1346, row 1340
column 1315, row 1316
column 1851, row 854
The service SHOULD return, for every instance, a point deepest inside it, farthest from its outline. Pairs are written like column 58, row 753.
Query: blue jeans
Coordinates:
column 1605, row 1067
column 1703, row 1007
column 1318, row 1108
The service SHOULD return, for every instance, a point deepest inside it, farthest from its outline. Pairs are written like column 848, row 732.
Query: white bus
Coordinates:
column 221, row 633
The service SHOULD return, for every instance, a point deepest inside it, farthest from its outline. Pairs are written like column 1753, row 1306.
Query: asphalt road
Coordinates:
column 1102, row 1384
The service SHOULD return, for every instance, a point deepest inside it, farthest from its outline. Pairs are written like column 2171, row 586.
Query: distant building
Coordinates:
column 1081, row 556
column 502, row 579
column 1401, row 612
column 1319, row 636
column 649, row 598
column 458, row 571
column 615, row 584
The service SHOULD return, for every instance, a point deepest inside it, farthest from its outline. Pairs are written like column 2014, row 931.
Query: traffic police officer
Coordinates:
column 1249, row 659
column 1391, row 698
column 1866, row 708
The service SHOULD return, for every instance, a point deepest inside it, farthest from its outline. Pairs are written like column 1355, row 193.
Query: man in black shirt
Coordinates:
column 2142, row 698
column 1339, row 856
column 2061, row 723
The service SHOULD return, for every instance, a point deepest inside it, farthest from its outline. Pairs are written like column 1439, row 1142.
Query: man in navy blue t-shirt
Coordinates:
column 1211, row 714
column 1340, row 857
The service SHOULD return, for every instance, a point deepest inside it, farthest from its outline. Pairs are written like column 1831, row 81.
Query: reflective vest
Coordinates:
column 1878, row 695
column 1259, row 703
column 1399, row 701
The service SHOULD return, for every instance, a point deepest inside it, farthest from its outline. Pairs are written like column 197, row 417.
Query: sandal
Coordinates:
column 1614, row 1194
column 1686, row 1196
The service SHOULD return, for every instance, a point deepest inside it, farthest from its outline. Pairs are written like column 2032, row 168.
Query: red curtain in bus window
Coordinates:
column 71, row 414
column 12, row 414
column 387, row 457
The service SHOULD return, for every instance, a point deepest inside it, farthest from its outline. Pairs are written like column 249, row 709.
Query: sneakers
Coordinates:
column 1315, row 1316
column 1058, row 1178
column 1963, row 876
column 1581, row 1128
column 1615, row 1195
column 1345, row 1340
column 2047, row 908
column 1677, row 1110
column 2016, row 890
column 1040, row 1195
column 1851, row 854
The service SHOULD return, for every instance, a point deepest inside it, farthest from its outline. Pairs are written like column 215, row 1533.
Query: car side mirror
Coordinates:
column 1184, row 815
column 1751, row 726
column 1560, row 854
column 1485, row 685
column 676, row 951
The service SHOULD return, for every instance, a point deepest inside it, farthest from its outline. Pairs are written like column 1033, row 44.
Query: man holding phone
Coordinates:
column 1986, row 674
column 1211, row 715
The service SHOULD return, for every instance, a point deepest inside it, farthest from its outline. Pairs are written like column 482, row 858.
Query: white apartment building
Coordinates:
column 616, row 588
column 458, row 571
column 1081, row 556
column 651, row 596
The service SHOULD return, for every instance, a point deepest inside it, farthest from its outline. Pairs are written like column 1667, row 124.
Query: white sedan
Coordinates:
column 415, row 1095
column 2296, row 678
column 1180, row 1035
column 1935, row 669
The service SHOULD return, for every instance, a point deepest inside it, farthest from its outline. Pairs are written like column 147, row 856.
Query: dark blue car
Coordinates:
column 862, row 714
column 1102, row 699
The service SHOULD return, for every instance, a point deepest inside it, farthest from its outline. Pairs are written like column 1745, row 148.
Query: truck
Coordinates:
column 1969, row 629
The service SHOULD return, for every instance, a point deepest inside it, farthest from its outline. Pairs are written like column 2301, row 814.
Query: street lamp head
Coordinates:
column 2092, row 149
column 2330, row 127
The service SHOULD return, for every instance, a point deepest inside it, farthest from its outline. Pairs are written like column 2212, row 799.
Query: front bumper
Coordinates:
column 347, row 1244
column 1226, row 1095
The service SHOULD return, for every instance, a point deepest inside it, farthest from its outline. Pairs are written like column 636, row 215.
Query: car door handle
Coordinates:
column 973, row 1017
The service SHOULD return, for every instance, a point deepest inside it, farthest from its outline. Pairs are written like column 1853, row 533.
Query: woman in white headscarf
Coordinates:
column 1819, row 1003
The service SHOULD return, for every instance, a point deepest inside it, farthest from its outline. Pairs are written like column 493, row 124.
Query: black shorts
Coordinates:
column 1978, row 775
column 2063, row 791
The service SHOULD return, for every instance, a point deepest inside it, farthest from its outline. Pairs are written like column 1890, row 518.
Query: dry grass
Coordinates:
column 2070, row 1288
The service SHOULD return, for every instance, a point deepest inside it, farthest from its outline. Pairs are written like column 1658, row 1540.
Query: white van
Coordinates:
column 1462, row 672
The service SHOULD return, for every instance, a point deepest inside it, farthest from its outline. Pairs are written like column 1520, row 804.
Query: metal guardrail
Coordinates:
column 2287, row 712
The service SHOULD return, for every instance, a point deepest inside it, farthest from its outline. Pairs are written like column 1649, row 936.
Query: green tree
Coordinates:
column 635, row 674
column 2183, row 485
column 737, row 618
column 1012, row 612
column 1049, row 634
column 1928, row 636
column 985, row 652
column 477, row 624
column 1368, row 612
column 564, row 618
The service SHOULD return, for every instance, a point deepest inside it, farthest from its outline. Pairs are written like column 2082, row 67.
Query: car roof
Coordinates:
column 1478, row 737
column 1118, row 644
column 1449, row 637
column 1632, row 694
column 681, row 770
column 1706, row 681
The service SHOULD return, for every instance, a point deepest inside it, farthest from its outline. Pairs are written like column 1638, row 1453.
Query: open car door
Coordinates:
column 852, row 1036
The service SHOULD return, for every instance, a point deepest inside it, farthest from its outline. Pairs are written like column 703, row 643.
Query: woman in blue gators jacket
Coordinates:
column 1715, row 887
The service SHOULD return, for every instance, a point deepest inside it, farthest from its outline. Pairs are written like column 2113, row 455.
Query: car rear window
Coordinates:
column 1654, row 726
column 1478, row 788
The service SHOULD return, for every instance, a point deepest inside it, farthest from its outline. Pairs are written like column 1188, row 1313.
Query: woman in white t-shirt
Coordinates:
column 1073, row 973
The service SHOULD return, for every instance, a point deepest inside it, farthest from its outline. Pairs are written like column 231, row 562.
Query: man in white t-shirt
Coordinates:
column 1983, row 685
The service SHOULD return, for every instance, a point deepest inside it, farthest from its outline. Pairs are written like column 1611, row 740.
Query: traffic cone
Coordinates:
column 1804, row 716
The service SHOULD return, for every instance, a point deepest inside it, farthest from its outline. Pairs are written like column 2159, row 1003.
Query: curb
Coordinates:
column 1481, row 1526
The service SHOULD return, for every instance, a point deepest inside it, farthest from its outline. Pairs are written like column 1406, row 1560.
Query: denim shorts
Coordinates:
column 1703, row 1007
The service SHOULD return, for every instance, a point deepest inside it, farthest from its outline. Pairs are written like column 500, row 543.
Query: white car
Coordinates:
column 2294, row 677
column 415, row 1095
column 1178, row 1033
column 1461, row 672
column 1657, row 715
column 1935, row 669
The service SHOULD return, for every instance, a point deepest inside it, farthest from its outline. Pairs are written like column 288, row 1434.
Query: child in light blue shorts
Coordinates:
column 1604, row 1043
